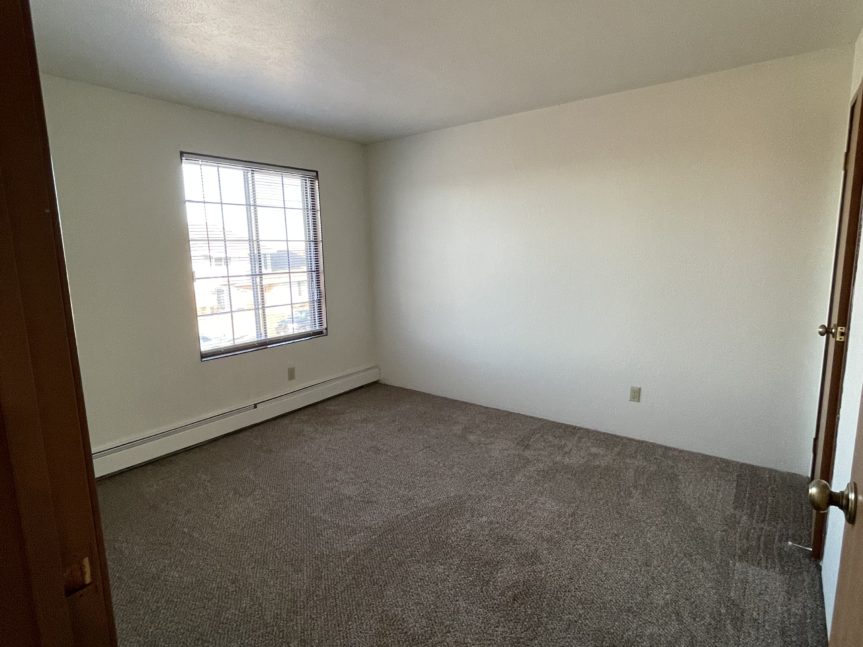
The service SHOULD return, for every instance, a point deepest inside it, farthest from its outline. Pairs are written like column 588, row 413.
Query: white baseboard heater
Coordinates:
column 147, row 448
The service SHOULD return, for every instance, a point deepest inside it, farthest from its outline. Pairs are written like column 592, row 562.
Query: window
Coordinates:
column 255, row 240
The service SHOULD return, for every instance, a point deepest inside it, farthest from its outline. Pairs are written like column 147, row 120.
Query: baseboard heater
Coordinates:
column 156, row 445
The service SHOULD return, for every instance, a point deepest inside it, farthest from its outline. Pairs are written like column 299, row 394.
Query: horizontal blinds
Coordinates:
column 229, row 163
column 255, row 241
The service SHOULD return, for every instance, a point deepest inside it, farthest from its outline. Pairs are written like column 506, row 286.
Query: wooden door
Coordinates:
column 847, row 627
column 55, row 582
column 835, row 329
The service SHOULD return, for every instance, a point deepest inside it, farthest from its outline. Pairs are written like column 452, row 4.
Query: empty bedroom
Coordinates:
column 389, row 323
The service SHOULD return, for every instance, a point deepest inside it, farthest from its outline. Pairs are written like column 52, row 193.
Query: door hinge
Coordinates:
column 77, row 576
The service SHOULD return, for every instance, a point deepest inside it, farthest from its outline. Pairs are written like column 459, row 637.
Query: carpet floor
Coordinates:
column 391, row 517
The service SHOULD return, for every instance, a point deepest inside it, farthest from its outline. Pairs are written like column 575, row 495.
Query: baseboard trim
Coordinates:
column 143, row 450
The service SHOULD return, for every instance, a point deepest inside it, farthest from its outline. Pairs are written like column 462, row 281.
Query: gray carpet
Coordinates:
column 391, row 517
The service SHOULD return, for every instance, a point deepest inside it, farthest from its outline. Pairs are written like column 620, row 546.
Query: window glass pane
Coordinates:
column 293, row 193
column 268, row 189
column 279, row 321
column 302, row 318
column 297, row 257
column 243, row 293
column 192, row 182
column 238, row 257
column 236, row 220
column 271, row 223
column 299, row 287
column 277, row 289
column 208, row 259
column 210, row 179
column 245, row 327
column 296, row 224
column 274, row 256
column 211, row 296
column 213, row 216
column 215, row 332
column 196, row 220
column 233, row 185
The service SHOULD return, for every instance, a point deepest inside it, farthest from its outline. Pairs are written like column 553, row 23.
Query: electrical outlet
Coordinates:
column 635, row 394
column 292, row 373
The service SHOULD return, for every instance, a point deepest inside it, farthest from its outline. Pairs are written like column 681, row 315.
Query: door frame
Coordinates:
column 845, row 262
column 55, row 583
column 846, row 629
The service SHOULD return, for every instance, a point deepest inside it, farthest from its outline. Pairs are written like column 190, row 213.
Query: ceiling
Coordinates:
column 369, row 70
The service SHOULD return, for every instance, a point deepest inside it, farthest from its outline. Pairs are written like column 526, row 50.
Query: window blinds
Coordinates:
column 255, row 241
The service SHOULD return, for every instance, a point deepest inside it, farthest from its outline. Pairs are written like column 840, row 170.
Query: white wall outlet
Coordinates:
column 292, row 373
column 635, row 394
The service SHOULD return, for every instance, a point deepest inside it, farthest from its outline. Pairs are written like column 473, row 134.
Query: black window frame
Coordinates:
column 315, row 239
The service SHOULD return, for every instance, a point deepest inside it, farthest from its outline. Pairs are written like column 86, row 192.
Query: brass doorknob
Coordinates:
column 836, row 331
column 822, row 497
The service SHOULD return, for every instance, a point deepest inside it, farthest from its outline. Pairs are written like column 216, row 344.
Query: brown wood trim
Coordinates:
column 847, row 627
column 43, row 421
column 839, row 311
column 27, row 460
column 18, row 624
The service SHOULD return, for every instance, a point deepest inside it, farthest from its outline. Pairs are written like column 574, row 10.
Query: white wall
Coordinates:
column 852, row 384
column 677, row 237
column 117, row 165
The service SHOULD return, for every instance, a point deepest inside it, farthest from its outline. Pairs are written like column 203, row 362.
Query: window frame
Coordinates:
column 271, row 342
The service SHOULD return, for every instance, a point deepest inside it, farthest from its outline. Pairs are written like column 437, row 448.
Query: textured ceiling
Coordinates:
column 375, row 69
